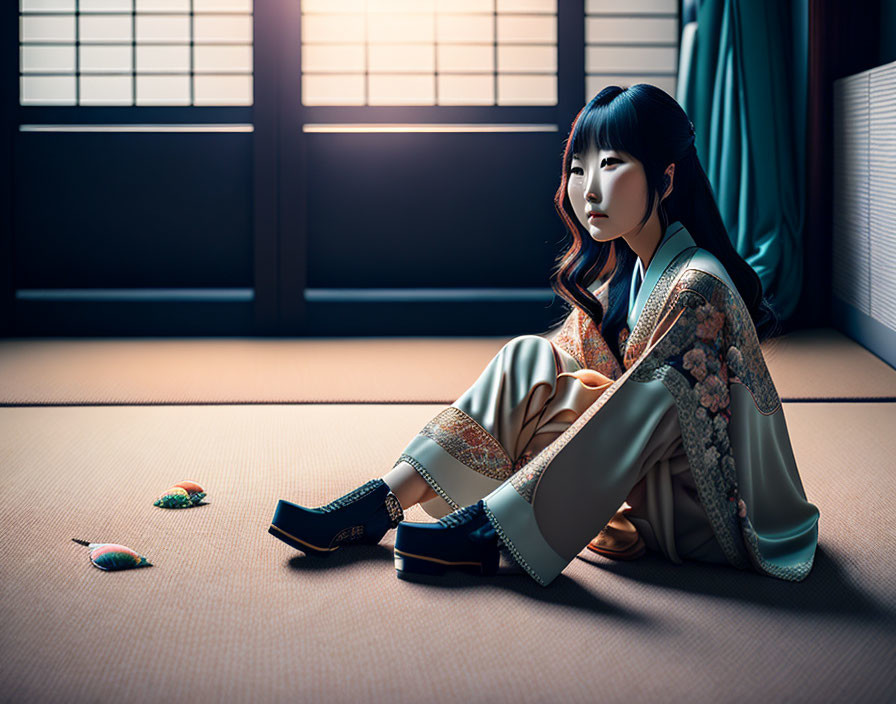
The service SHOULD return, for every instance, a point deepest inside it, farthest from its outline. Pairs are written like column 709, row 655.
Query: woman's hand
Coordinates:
column 590, row 378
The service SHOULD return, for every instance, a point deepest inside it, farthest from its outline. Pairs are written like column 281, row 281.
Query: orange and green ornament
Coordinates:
column 184, row 494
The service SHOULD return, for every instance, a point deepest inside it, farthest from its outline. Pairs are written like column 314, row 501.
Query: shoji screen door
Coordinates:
column 430, row 132
column 132, row 133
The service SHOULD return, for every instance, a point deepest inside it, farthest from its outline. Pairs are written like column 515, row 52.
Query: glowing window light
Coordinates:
column 135, row 52
column 429, row 52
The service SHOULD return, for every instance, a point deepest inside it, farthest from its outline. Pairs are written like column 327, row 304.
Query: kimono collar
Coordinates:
column 675, row 240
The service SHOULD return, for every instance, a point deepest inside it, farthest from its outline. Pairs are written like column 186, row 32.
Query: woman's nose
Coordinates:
column 592, row 186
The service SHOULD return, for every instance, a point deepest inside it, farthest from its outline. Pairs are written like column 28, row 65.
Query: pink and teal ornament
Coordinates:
column 112, row 556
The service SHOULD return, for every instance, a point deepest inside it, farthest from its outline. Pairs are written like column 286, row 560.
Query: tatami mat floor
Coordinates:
column 809, row 364
column 228, row 613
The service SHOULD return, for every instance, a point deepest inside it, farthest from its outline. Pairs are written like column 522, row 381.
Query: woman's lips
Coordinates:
column 595, row 216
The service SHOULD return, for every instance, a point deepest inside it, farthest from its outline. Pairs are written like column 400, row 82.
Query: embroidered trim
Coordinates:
column 595, row 350
column 656, row 303
column 623, row 336
column 711, row 464
column 428, row 477
column 744, row 353
column 569, row 338
column 508, row 543
column 348, row 535
column 796, row 573
column 462, row 437
column 691, row 347
column 523, row 478
column 584, row 341
column 353, row 495
column 393, row 508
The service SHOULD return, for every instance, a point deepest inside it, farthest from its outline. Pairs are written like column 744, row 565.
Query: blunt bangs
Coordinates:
column 609, row 127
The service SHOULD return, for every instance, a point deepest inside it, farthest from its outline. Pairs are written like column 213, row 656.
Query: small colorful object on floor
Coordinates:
column 112, row 556
column 182, row 495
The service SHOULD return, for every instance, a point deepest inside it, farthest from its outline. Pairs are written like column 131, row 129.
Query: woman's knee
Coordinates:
column 531, row 353
column 530, row 342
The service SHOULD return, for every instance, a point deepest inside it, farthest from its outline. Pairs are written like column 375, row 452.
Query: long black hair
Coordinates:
column 647, row 123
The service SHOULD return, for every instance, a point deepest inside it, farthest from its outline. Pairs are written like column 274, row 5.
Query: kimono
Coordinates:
column 555, row 434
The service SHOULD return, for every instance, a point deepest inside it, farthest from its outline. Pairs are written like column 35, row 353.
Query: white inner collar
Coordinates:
column 637, row 280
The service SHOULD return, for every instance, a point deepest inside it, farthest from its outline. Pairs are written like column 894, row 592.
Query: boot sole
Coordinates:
column 300, row 544
column 429, row 570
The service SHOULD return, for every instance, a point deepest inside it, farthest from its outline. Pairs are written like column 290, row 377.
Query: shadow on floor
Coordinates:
column 825, row 592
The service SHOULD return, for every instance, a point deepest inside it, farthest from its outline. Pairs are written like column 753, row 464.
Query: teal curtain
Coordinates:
column 742, row 80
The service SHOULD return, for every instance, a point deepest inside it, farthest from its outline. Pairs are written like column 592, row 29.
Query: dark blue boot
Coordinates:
column 361, row 516
column 464, row 540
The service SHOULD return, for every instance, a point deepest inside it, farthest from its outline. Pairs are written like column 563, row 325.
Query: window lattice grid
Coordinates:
column 429, row 52
column 136, row 52
column 631, row 41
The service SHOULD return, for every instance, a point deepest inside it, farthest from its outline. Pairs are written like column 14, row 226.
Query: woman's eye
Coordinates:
column 578, row 170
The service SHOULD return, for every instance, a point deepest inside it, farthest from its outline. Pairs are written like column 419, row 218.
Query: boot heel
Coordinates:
column 417, row 569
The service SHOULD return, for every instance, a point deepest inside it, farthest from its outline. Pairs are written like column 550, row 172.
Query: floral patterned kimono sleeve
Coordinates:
column 695, row 351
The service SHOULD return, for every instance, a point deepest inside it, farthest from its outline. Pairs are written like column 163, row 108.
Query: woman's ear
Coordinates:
column 668, row 179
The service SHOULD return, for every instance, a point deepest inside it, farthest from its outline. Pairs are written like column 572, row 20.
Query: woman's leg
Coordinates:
column 460, row 456
column 408, row 486
column 527, row 394
column 550, row 509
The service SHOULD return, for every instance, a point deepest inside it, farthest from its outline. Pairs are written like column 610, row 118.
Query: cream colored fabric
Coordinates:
column 664, row 505
column 529, row 394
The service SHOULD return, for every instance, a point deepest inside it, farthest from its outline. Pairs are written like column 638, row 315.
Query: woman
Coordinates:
column 653, row 392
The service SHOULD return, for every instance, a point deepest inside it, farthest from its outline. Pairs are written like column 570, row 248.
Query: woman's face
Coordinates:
column 611, row 183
